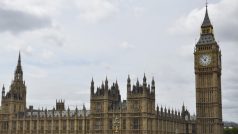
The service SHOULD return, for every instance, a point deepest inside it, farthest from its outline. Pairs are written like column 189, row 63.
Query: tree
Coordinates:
column 230, row 130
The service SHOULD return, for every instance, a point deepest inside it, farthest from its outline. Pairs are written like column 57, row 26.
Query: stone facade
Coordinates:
column 108, row 113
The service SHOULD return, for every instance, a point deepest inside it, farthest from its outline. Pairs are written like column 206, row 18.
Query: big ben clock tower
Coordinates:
column 207, row 58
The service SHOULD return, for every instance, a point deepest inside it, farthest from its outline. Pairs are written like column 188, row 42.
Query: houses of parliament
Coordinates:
column 138, row 114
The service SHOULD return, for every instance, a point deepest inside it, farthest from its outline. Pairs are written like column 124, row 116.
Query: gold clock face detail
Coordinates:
column 205, row 59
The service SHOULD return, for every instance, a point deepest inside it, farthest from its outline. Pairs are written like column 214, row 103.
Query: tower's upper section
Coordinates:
column 207, row 35
column 18, row 88
column 18, row 72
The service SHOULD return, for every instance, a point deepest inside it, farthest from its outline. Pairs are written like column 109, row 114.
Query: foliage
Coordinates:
column 230, row 130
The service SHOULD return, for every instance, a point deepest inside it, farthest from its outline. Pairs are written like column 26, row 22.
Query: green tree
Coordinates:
column 231, row 131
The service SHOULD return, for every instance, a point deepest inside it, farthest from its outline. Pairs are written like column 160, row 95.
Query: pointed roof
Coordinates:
column 207, row 37
column 3, row 88
column 206, row 21
column 19, row 59
column 19, row 68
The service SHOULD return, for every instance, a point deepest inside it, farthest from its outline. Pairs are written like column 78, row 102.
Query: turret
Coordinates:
column 144, row 81
column 183, row 108
column 3, row 91
column 60, row 105
column 153, row 85
column 18, row 72
column 92, row 87
column 106, row 84
column 106, row 88
column 128, row 84
column 137, row 83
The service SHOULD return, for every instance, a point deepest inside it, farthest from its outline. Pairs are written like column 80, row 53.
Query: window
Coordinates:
column 72, row 125
column 136, row 123
column 110, row 123
column 98, row 124
column 64, row 125
column 98, row 107
column 124, row 123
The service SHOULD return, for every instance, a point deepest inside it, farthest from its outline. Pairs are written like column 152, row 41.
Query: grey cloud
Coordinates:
column 226, row 31
column 17, row 21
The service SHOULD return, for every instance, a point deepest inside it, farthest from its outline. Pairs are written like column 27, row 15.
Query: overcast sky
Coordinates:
column 65, row 43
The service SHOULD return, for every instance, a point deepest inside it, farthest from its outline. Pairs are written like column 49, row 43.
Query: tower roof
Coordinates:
column 207, row 35
column 18, row 71
column 19, row 68
column 206, row 21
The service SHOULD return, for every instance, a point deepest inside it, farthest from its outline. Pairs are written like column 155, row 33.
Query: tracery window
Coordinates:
column 135, row 123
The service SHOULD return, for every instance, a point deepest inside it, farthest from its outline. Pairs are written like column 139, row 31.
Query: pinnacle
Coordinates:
column 206, row 21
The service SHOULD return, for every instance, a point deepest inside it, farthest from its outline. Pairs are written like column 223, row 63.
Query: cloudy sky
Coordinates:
column 65, row 43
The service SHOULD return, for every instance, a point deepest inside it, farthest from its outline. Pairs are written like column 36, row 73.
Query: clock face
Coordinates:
column 205, row 59
column 186, row 117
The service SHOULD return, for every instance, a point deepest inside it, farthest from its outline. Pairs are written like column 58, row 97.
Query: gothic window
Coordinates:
column 64, row 125
column 124, row 124
column 80, row 125
column 35, row 125
column 56, row 125
column 5, row 125
column 98, row 124
column 72, row 124
column 21, row 125
column 98, row 107
column 135, row 123
column 49, row 125
column 14, row 125
column 14, row 108
column 110, row 123
column 136, row 106
column 42, row 125
column 27, row 125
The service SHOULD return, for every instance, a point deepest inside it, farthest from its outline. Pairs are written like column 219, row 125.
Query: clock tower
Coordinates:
column 207, row 60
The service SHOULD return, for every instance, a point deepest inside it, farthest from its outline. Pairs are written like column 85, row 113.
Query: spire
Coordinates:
column 144, row 80
column 183, row 107
column 128, row 79
column 206, row 21
column 153, row 85
column 19, row 59
column 18, row 71
column 92, row 87
column 3, row 90
column 137, row 83
column 106, row 84
column 106, row 81
column 207, row 35
column 128, row 84
column 116, row 85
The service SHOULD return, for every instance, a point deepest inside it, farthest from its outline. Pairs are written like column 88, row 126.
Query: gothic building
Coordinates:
column 138, row 114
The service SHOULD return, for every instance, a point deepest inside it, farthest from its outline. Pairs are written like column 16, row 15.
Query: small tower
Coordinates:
column 60, row 105
column 15, row 99
column 128, row 84
column 106, row 84
column 3, row 91
column 92, row 87
column 18, row 71
column 153, row 85
column 144, row 81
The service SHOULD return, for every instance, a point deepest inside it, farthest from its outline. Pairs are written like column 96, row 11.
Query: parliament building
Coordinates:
column 138, row 114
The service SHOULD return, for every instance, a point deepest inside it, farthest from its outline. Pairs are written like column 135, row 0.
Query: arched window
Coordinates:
column 136, row 123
